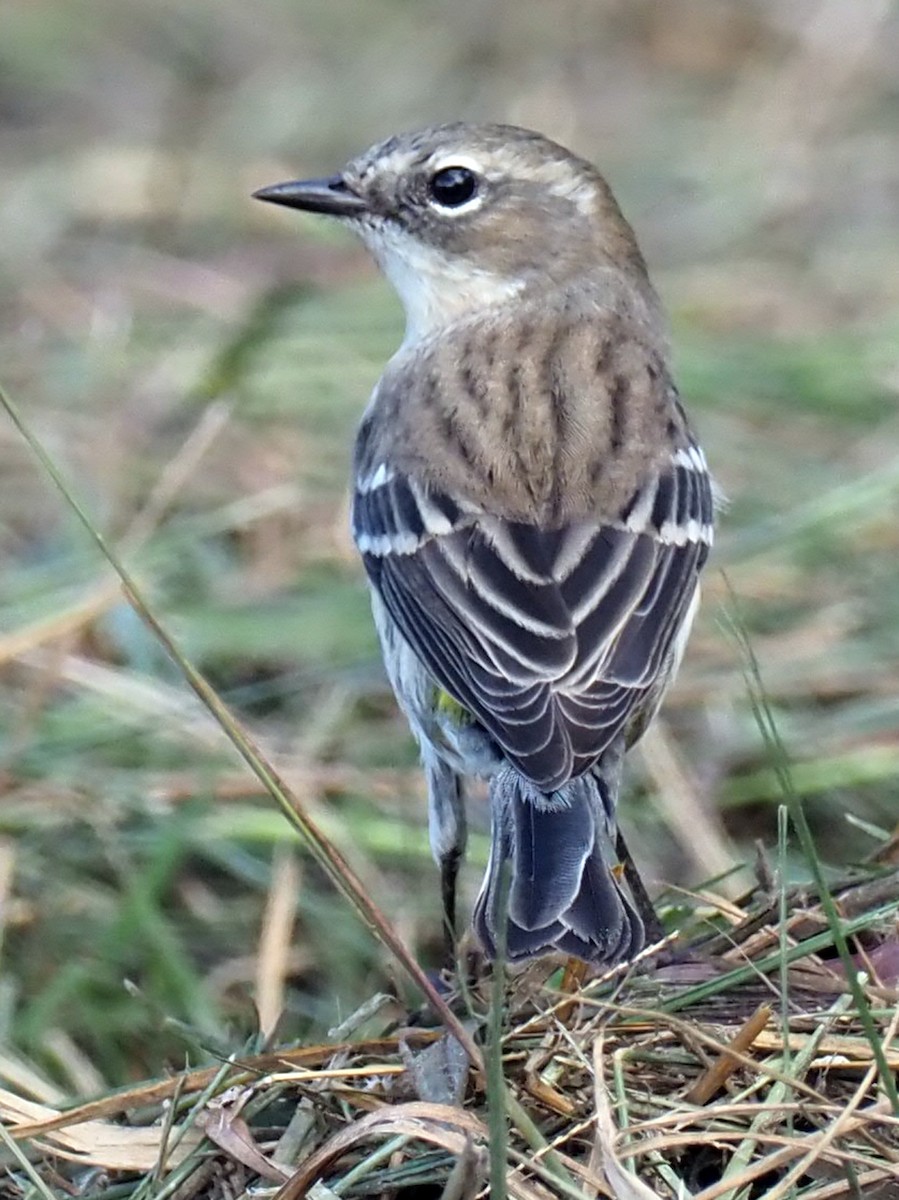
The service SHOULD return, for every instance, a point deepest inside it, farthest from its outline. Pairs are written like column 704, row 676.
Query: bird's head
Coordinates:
column 464, row 217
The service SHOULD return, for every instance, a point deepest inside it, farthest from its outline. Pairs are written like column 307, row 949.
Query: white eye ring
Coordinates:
column 462, row 189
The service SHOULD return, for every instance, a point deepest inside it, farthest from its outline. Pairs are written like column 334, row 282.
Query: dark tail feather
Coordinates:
column 565, row 889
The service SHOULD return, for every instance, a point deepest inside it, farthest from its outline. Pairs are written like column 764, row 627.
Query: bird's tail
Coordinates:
column 566, row 887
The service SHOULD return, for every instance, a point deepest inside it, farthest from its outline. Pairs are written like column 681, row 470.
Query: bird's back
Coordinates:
column 551, row 408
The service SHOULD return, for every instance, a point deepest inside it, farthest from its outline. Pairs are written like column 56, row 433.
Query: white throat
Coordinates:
column 435, row 290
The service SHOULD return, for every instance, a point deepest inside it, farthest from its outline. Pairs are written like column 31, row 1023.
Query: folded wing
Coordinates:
column 550, row 638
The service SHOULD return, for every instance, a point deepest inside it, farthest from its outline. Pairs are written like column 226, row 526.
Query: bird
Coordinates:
column 532, row 509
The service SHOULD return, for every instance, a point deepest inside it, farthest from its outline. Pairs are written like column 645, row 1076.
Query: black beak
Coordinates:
column 331, row 196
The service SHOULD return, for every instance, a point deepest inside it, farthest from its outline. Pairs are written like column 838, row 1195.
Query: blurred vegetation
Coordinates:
column 196, row 363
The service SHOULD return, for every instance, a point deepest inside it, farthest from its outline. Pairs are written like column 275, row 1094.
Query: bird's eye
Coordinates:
column 453, row 186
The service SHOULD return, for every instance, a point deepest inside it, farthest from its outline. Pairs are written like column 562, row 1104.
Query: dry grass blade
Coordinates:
column 451, row 1129
column 275, row 941
column 719, row 1072
column 99, row 1143
column 624, row 1184
column 869, row 1184
column 464, row 1179
column 303, row 1058
column 222, row 1123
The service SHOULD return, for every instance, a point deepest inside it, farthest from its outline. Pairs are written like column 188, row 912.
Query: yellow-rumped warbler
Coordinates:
column 531, row 507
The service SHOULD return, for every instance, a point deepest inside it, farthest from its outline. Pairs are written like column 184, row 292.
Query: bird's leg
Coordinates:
column 449, row 873
column 645, row 906
column 448, row 833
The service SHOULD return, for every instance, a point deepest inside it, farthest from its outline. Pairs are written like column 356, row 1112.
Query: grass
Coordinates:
column 756, row 1108
column 196, row 366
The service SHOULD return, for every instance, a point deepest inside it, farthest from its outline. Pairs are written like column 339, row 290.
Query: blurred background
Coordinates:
column 196, row 364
